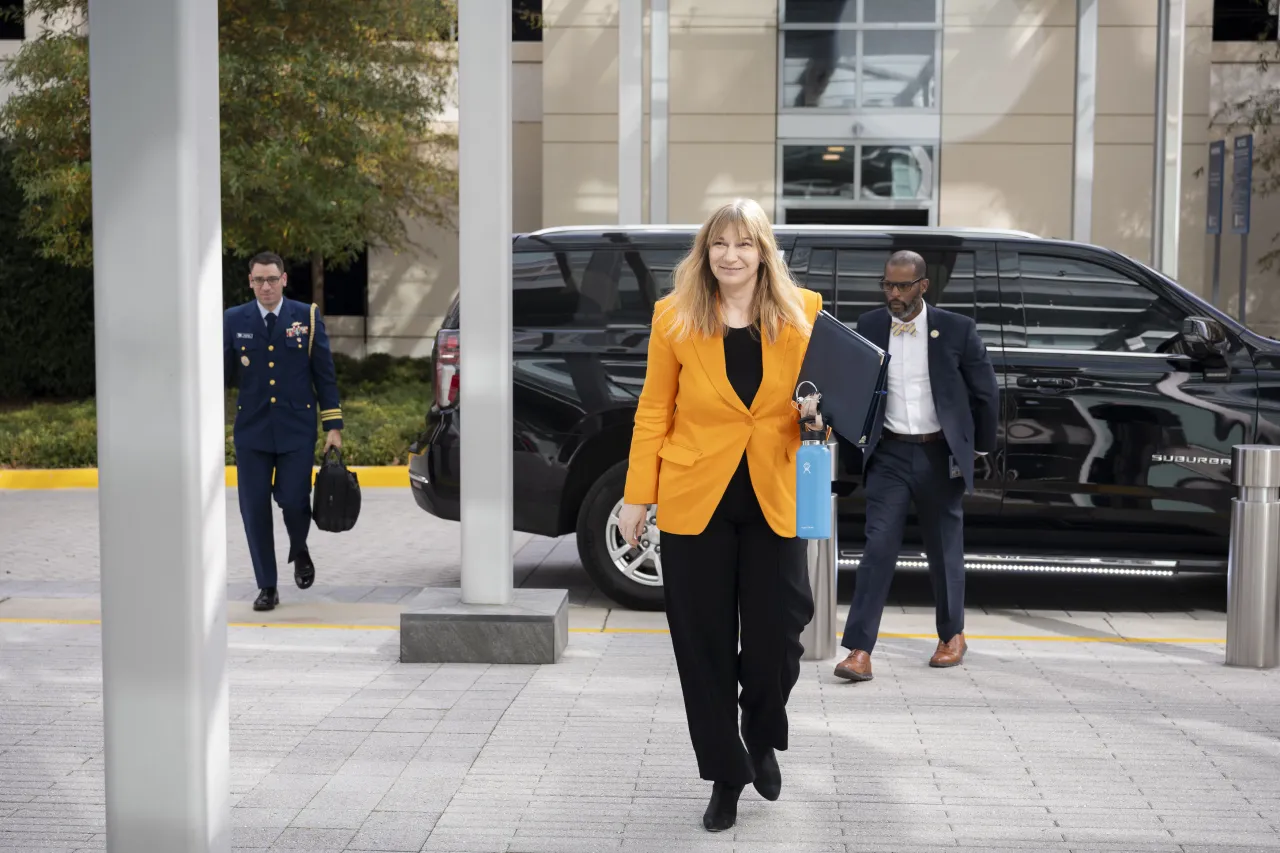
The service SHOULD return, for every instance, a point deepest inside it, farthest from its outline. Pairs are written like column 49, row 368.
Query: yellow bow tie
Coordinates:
column 899, row 328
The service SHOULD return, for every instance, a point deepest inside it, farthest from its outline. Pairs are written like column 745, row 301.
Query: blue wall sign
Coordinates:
column 1241, row 183
column 1217, row 166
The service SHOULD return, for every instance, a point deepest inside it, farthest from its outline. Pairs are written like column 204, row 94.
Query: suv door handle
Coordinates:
column 1055, row 382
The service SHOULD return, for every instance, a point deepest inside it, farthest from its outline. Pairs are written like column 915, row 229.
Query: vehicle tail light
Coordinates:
column 447, row 368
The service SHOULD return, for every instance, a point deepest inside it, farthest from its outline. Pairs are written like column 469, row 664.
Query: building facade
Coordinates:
column 929, row 112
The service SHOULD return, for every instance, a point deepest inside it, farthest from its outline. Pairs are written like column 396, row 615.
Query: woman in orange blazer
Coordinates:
column 714, row 447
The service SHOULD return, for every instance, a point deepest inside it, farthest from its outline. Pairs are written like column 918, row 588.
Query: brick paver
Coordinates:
column 1053, row 746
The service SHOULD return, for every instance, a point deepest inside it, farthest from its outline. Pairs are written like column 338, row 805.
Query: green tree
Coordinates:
column 329, row 132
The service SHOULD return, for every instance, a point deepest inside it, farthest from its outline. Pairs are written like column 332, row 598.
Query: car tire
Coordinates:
column 597, row 525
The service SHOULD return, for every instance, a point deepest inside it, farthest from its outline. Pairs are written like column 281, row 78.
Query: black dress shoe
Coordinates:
column 768, row 779
column 722, row 811
column 267, row 599
column 304, row 571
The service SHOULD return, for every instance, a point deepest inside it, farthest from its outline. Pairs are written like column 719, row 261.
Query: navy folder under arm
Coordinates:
column 850, row 372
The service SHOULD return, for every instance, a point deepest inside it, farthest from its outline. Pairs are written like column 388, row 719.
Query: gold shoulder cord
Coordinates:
column 311, row 337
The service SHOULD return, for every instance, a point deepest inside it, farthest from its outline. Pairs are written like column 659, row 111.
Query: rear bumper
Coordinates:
column 433, row 472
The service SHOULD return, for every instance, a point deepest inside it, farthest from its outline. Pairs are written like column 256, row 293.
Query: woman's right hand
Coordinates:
column 631, row 521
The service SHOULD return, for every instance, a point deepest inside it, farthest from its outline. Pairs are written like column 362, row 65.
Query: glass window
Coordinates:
column 952, row 277
column 898, row 68
column 818, row 274
column 834, row 59
column 858, row 274
column 897, row 172
column 661, row 264
column 545, row 289
column 820, row 11
column 900, row 11
column 819, row 68
column 817, row 171
column 1073, row 304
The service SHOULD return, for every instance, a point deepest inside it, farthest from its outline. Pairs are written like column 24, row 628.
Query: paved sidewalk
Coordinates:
column 1032, row 745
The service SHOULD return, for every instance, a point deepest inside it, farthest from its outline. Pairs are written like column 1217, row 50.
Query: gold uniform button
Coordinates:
column 273, row 399
column 271, row 348
column 308, row 405
column 273, row 382
column 271, row 364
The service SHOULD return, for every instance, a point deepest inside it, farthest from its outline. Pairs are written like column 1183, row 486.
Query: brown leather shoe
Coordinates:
column 856, row 667
column 950, row 653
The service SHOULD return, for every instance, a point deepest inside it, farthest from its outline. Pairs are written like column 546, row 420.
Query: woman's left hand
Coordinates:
column 809, row 406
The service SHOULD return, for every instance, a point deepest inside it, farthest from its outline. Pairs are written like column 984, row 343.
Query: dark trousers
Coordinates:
column 292, row 491
column 898, row 474
column 735, row 578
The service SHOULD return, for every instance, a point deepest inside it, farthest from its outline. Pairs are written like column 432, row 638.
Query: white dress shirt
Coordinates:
column 264, row 311
column 909, row 408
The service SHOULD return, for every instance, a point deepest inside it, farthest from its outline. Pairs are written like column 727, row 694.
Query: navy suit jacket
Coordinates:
column 283, row 389
column 965, row 393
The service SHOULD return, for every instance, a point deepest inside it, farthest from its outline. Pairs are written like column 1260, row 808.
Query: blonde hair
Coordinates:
column 694, row 301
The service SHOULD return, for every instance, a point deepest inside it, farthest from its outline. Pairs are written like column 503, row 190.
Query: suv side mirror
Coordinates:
column 1204, row 337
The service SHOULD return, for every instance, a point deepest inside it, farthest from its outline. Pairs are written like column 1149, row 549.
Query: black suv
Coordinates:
column 1121, row 394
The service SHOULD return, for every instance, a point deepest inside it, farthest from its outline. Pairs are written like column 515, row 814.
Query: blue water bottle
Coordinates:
column 813, row 484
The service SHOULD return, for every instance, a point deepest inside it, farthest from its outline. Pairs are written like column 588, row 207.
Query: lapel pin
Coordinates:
column 934, row 333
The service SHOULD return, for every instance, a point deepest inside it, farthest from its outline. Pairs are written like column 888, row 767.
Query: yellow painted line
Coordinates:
column 373, row 476
column 326, row 626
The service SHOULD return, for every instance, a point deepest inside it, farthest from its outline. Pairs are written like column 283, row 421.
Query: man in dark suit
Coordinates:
column 940, row 411
column 281, row 352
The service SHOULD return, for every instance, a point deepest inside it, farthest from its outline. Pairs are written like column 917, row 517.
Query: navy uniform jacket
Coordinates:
column 282, row 390
column 966, row 395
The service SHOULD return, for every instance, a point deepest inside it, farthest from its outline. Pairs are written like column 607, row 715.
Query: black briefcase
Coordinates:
column 851, row 374
column 336, row 500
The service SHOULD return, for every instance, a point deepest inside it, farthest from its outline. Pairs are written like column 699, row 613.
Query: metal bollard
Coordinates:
column 1253, row 564
column 819, row 636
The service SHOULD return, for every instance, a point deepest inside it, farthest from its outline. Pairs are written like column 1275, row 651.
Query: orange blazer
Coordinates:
column 691, row 429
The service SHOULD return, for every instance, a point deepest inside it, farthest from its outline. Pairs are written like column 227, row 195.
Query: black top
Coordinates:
column 744, row 362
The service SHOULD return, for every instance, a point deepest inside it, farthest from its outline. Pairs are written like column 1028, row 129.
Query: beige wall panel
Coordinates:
column 719, row 128
column 1126, row 70
column 579, row 183
column 580, row 70
column 580, row 128
column 1142, row 13
column 1122, row 207
column 1140, row 130
column 1002, row 71
column 560, row 14
column 703, row 177
column 526, row 176
column 1026, row 187
column 1009, row 13
column 724, row 13
column 724, row 71
column 1025, row 130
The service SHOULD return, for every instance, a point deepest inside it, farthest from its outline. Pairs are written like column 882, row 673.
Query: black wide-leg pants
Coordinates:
column 737, row 598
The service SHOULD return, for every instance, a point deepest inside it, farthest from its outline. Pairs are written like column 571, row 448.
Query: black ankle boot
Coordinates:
column 768, row 779
column 722, row 811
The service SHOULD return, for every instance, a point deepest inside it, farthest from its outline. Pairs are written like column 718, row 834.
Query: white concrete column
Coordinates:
column 484, row 265
column 1171, row 36
column 1086, row 105
column 659, row 107
column 630, row 111
column 153, row 70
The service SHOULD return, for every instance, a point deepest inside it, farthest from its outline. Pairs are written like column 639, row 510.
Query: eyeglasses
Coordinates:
column 900, row 286
column 271, row 279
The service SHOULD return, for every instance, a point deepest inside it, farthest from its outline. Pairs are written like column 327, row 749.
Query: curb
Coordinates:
column 371, row 476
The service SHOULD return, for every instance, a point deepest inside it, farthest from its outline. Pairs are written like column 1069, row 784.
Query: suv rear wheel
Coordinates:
column 630, row 576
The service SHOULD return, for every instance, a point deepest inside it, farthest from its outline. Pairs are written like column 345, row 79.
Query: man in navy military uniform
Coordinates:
column 281, row 352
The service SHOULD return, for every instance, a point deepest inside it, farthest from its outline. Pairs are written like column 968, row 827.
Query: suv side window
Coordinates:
column 858, row 272
column 545, row 293
column 1079, row 305
column 589, row 289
